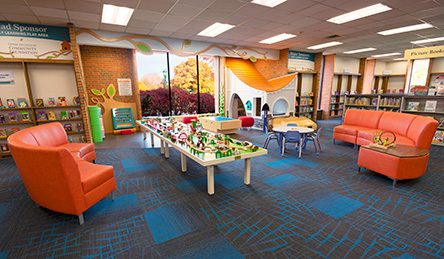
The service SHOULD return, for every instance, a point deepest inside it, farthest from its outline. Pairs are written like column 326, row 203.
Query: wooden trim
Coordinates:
column 339, row 85
column 28, row 60
column 429, row 72
column 360, row 83
column 349, row 83
column 376, row 84
column 385, row 81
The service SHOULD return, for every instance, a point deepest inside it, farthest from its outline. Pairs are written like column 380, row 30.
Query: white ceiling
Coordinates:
column 183, row 19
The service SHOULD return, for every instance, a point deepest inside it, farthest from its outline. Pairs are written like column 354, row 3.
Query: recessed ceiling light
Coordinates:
column 269, row 3
column 360, row 13
column 359, row 50
column 415, row 27
column 117, row 15
column 325, row 45
column 386, row 55
column 427, row 40
column 215, row 29
column 277, row 38
column 399, row 59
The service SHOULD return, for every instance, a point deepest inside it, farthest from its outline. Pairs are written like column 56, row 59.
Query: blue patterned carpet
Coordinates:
column 314, row 207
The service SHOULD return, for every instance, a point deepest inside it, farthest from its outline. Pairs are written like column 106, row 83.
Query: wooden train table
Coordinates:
column 206, row 148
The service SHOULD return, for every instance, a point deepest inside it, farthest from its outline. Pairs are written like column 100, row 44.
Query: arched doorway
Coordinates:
column 237, row 107
column 280, row 107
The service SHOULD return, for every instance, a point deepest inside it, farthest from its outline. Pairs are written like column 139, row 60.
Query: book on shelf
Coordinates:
column 64, row 115
column 4, row 147
column 1, row 103
column 67, row 127
column 76, row 100
column 42, row 116
column 51, row 101
column 3, row 134
column 79, row 127
column 413, row 106
column 438, row 137
column 39, row 102
column 13, row 130
column 441, row 123
column 51, row 115
column 22, row 103
column 62, row 101
column 2, row 118
column 12, row 117
column 25, row 116
column 10, row 103
column 430, row 105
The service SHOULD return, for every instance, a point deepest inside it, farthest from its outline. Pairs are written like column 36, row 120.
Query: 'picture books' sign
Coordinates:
column 31, row 41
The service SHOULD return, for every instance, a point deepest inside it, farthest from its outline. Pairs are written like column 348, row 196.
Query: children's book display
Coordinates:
column 413, row 106
column 3, row 134
column 4, row 147
column 51, row 116
column 51, row 101
column 39, row 102
column 22, row 103
column 203, row 144
column 62, row 101
column 10, row 103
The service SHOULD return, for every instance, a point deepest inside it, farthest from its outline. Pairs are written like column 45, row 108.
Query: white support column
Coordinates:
column 167, row 150
column 152, row 140
column 162, row 150
column 183, row 161
column 247, row 171
column 210, row 179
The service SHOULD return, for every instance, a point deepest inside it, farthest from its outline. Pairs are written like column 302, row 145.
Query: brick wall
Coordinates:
column 103, row 66
column 273, row 68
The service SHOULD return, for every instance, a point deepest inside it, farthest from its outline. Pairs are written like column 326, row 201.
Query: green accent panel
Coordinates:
column 94, row 113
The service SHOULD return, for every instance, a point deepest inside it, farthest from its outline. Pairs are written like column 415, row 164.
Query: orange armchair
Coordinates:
column 55, row 177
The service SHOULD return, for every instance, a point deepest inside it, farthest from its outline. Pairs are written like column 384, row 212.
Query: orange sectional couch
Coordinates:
column 58, row 175
column 360, row 126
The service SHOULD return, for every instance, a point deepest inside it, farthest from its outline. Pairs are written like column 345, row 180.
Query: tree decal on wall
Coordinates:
column 103, row 96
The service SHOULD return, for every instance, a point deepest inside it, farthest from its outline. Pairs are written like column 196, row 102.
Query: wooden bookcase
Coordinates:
column 385, row 82
column 77, row 122
column 305, row 101
column 338, row 93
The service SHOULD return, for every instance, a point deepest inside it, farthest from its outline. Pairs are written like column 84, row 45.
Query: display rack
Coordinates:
column 305, row 101
column 72, row 119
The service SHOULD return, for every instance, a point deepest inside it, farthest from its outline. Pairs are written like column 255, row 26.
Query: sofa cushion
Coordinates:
column 403, row 140
column 92, row 175
column 349, row 129
column 27, row 137
column 396, row 122
column 81, row 148
column 368, row 134
column 50, row 134
column 422, row 130
column 363, row 118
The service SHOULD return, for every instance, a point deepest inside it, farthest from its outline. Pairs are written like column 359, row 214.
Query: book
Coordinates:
column 4, row 147
column 10, row 103
column 41, row 116
column 76, row 100
column 438, row 137
column 412, row 106
column 1, row 103
column 430, row 106
column 12, row 117
column 39, row 102
column 51, row 101
column 25, row 116
column 79, row 127
column 2, row 118
column 22, row 103
column 68, row 127
column 3, row 134
column 64, row 115
column 13, row 130
column 51, row 115
column 62, row 101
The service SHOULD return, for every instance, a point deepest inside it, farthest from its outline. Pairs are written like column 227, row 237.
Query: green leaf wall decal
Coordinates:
column 111, row 90
column 143, row 47
column 96, row 92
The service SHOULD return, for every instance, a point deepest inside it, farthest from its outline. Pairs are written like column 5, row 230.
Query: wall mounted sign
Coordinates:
column 429, row 52
column 420, row 72
column 301, row 61
column 6, row 78
column 125, row 87
column 30, row 41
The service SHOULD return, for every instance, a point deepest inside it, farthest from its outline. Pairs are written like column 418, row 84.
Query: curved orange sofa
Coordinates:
column 360, row 127
column 57, row 174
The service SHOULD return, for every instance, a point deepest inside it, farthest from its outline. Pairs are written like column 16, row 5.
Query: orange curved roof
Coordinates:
column 247, row 73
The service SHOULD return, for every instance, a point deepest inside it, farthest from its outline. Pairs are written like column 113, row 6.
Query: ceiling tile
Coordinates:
column 197, row 3
column 74, row 15
column 157, row 6
column 53, row 21
column 141, row 24
column 185, row 10
column 111, row 27
column 16, row 9
column 84, row 6
column 160, row 33
column 86, row 24
column 21, row 18
column 125, row 3
column 58, row 4
column 146, row 15
column 227, row 5
column 49, row 12
column 137, row 30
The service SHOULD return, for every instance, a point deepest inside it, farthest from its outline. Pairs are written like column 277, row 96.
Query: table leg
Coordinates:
column 144, row 133
column 210, row 179
column 162, row 150
column 183, row 162
column 247, row 171
column 279, row 140
column 152, row 140
column 166, row 150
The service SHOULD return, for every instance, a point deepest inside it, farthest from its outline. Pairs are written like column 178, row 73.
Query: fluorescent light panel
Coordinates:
column 117, row 15
column 277, row 38
column 359, row 50
column 415, row 27
column 215, row 29
column 386, row 55
column 325, row 45
column 268, row 3
column 427, row 40
column 399, row 59
column 360, row 13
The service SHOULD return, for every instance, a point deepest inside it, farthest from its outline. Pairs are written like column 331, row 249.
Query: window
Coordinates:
column 157, row 81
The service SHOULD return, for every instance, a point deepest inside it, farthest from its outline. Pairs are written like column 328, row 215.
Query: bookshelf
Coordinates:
column 305, row 99
column 381, row 83
column 35, row 79
column 344, row 84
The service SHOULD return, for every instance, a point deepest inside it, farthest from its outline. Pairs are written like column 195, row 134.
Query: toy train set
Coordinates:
column 200, row 143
